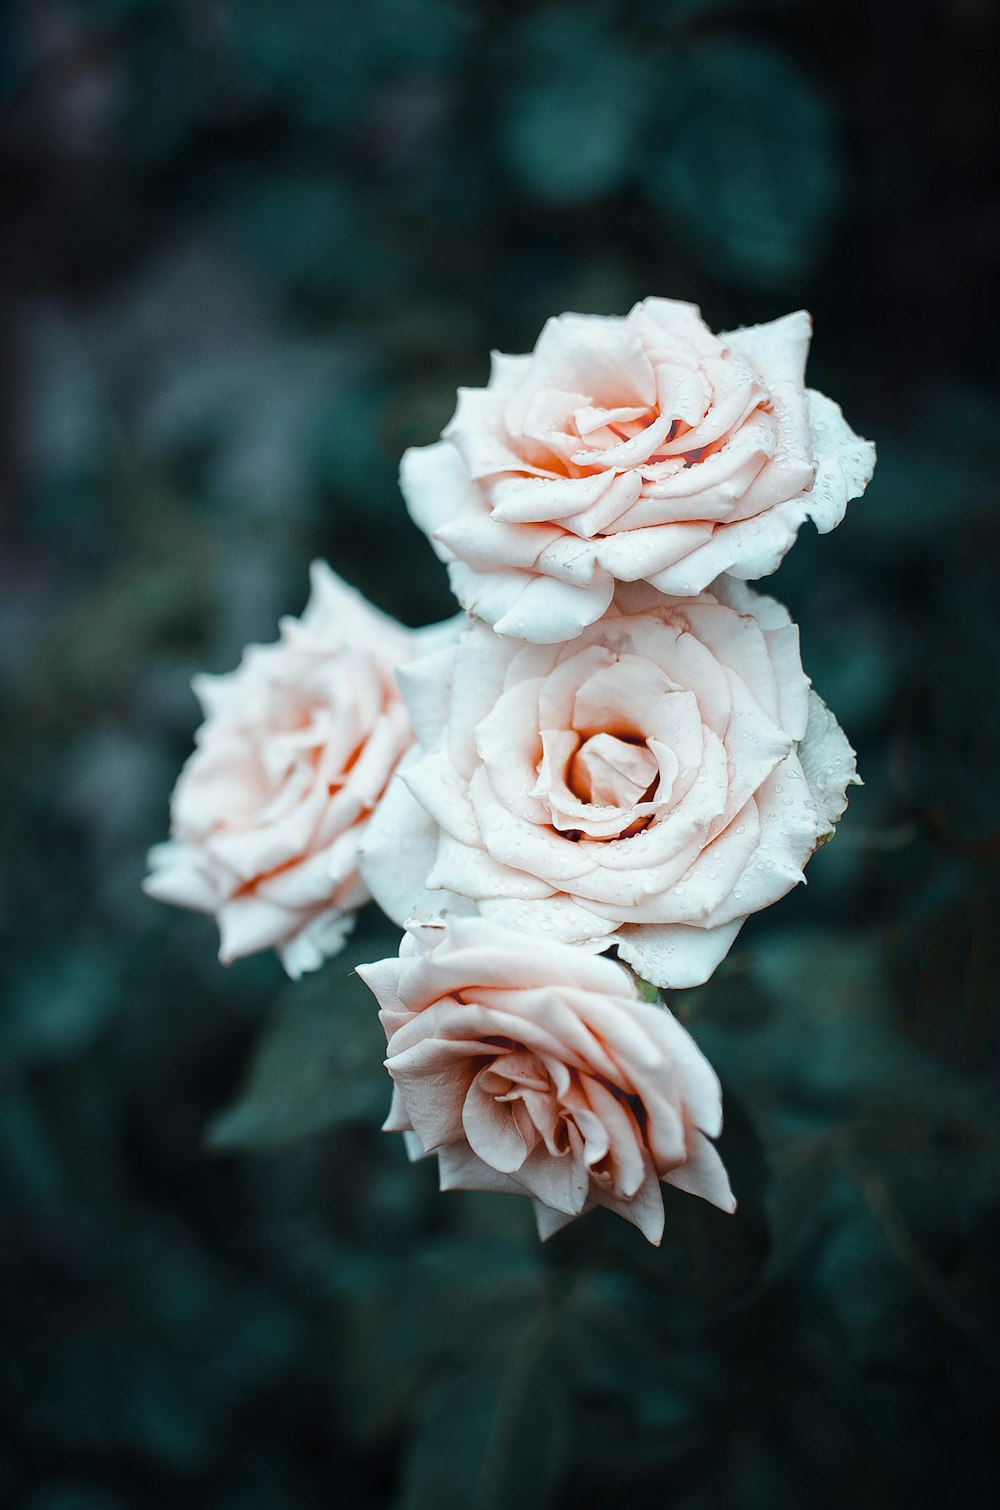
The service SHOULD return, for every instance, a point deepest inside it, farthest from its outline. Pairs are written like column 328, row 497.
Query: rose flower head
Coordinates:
column 534, row 1068
column 647, row 785
column 635, row 448
column 297, row 747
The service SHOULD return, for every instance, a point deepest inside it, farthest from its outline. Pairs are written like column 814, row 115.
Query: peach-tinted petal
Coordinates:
column 551, row 610
column 426, row 687
column 609, row 771
column 492, row 1130
column 178, row 876
column 644, row 1211
column 703, row 1173
column 828, row 764
column 776, row 349
column 845, row 462
column 538, row 500
column 397, row 852
column 559, row 918
column 461, row 1169
column 437, row 488
column 675, row 955
column 467, row 870
column 247, row 925
column 323, row 936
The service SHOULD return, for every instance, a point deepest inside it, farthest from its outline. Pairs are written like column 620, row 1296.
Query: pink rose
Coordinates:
column 297, row 747
column 635, row 449
column 535, row 1069
column 647, row 785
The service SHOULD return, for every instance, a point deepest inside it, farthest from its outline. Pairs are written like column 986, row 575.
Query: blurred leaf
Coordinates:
column 902, row 510
column 72, row 1496
column 454, row 1311
column 168, row 101
column 864, row 1285
column 315, row 67
column 748, row 169
column 646, row 1396
column 957, row 729
column 101, row 636
column 945, row 956
column 311, row 236
column 29, row 1161
column 172, row 1339
column 495, row 1436
column 426, row 34
column 855, row 655
column 350, row 450
column 317, row 1067
column 114, row 10
column 827, row 1040
column 678, row 13
column 60, row 1007
column 571, row 118
column 321, row 61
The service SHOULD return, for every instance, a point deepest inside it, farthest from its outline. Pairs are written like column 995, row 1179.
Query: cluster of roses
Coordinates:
column 615, row 746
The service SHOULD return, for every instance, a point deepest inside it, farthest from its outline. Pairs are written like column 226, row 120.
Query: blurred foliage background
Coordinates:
column 251, row 247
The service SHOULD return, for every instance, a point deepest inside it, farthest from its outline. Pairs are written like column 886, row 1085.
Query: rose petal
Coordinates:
column 675, row 956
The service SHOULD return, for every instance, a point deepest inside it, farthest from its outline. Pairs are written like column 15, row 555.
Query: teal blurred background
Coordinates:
column 251, row 247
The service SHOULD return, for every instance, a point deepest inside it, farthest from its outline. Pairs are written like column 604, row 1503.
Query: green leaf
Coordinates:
column 318, row 1066
column 820, row 1036
column 455, row 1310
column 494, row 1436
column 29, row 1159
column 311, row 236
column 867, row 1290
column 749, row 170
column 946, row 961
column 62, row 1006
column 320, row 62
column 570, row 124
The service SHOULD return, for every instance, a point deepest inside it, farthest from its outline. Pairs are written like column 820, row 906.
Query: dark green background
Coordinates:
column 250, row 250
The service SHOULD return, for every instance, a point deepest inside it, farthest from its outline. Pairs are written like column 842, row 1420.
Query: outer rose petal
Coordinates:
column 681, row 954
column 778, row 349
column 426, row 687
column 398, row 853
column 846, row 462
column 828, row 763
column 176, row 876
column 555, row 610
column 437, row 487
column 559, row 917
column 318, row 941
column 704, row 1174
column 544, row 1074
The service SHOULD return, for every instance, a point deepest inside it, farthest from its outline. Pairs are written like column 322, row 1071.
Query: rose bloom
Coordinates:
column 537, row 1070
column 647, row 785
column 642, row 448
column 297, row 747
